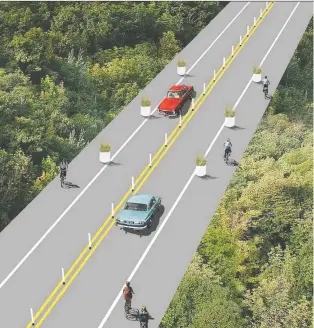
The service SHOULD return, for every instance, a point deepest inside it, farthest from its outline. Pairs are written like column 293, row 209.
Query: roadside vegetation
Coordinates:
column 253, row 267
column 67, row 69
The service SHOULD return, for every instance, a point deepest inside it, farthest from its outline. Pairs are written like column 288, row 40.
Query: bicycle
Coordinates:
column 226, row 156
column 132, row 314
column 62, row 178
column 135, row 315
column 265, row 90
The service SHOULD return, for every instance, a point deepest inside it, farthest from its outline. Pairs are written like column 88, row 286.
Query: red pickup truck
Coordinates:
column 176, row 97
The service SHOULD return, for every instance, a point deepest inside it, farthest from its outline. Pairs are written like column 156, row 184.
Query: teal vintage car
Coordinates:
column 138, row 212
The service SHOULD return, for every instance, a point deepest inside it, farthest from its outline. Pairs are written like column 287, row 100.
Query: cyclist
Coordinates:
column 144, row 317
column 266, row 83
column 63, row 169
column 127, row 294
column 227, row 145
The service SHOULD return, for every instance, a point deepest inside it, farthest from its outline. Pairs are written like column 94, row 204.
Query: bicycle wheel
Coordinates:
column 132, row 315
column 227, row 156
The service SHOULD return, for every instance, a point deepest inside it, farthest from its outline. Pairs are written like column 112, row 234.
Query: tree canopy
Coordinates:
column 67, row 69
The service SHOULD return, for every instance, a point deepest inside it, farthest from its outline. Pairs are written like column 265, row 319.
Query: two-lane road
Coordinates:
column 91, row 294
column 30, row 283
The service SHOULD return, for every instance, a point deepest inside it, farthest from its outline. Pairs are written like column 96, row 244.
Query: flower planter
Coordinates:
column 200, row 171
column 257, row 78
column 145, row 111
column 230, row 122
column 181, row 70
column 104, row 157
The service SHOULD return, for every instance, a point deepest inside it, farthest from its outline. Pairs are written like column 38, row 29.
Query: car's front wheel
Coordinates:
column 149, row 224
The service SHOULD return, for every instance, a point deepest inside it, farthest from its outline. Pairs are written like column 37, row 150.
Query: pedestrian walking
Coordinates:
column 127, row 294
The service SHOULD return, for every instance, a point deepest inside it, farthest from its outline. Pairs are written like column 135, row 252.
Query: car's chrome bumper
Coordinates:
column 125, row 226
column 167, row 113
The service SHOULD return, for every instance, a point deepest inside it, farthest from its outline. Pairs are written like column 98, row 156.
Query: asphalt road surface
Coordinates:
column 92, row 293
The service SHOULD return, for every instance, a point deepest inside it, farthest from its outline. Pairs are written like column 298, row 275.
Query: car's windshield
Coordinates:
column 174, row 94
column 135, row 207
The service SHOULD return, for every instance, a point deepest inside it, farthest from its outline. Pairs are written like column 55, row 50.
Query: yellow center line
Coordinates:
column 141, row 179
column 75, row 274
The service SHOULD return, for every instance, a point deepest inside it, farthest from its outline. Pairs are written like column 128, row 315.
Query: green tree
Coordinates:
column 34, row 51
column 15, row 181
column 271, row 302
column 201, row 292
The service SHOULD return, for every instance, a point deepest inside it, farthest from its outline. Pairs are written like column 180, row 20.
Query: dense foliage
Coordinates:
column 253, row 267
column 66, row 70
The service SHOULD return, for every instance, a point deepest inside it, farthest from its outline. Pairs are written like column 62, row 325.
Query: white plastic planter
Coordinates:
column 104, row 157
column 181, row 70
column 200, row 171
column 257, row 78
column 145, row 111
column 230, row 122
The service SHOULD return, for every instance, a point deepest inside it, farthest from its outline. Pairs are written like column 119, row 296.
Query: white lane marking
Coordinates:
column 277, row 37
column 184, row 189
column 267, row 53
column 116, row 154
column 218, row 37
column 156, row 234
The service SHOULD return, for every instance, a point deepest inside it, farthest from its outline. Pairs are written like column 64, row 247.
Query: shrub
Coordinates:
column 181, row 63
column 145, row 102
column 200, row 161
column 257, row 70
column 104, row 148
column 229, row 112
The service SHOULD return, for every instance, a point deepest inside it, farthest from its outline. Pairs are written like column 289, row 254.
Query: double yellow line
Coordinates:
column 139, row 182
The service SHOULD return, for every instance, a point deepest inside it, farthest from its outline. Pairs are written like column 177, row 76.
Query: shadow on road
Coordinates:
column 68, row 185
column 236, row 128
column 208, row 177
column 232, row 162
column 186, row 107
column 155, row 223
column 113, row 164
column 154, row 117
column 132, row 315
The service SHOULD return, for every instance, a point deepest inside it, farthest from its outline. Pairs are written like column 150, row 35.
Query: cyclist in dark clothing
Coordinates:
column 227, row 145
column 63, row 169
column 144, row 317
column 266, row 83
